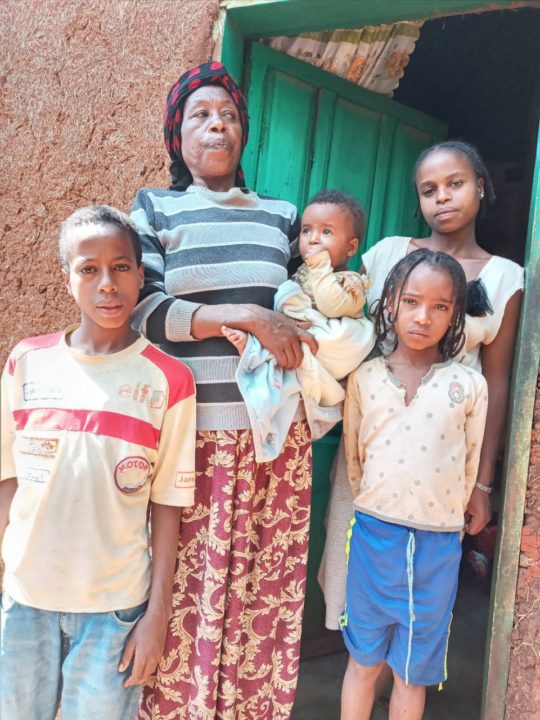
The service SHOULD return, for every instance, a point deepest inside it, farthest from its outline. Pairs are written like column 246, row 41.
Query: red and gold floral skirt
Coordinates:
column 233, row 646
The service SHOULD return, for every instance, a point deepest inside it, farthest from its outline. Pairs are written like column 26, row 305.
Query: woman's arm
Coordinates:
column 496, row 367
column 276, row 332
column 162, row 317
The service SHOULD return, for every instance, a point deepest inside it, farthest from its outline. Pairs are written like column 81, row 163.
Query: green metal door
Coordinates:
column 310, row 130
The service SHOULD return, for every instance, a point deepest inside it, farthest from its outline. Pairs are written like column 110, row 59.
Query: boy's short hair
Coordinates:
column 101, row 216
column 346, row 201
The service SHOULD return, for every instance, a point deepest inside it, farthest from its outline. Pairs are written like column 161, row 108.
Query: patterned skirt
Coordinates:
column 233, row 646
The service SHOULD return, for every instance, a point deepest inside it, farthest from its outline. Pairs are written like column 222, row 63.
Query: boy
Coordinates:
column 331, row 300
column 96, row 424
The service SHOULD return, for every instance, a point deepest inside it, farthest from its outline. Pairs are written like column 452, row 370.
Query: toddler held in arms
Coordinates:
column 330, row 298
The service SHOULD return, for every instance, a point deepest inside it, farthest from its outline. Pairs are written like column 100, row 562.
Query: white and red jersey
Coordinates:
column 91, row 440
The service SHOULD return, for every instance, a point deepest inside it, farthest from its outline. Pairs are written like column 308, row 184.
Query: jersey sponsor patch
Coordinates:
column 42, row 391
column 131, row 474
column 33, row 475
column 185, row 480
column 40, row 446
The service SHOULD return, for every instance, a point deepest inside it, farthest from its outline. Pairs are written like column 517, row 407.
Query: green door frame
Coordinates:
column 242, row 21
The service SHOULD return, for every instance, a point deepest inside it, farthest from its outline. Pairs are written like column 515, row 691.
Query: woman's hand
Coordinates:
column 276, row 332
column 281, row 336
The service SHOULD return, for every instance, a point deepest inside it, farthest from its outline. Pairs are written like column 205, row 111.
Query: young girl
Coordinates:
column 453, row 188
column 414, row 423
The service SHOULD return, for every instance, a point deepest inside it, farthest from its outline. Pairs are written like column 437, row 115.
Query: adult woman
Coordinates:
column 452, row 185
column 214, row 253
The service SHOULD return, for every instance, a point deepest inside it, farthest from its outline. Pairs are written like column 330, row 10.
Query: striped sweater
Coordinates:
column 206, row 247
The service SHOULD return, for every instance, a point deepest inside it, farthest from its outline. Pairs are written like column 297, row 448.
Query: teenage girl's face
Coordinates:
column 426, row 308
column 103, row 278
column 330, row 227
column 449, row 191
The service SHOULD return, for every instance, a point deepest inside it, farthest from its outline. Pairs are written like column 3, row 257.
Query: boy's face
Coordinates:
column 328, row 227
column 103, row 277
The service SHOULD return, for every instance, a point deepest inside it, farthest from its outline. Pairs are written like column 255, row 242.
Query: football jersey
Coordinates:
column 91, row 440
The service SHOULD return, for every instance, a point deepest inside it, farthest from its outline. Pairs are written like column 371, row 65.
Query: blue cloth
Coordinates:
column 48, row 658
column 404, row 579
column 272, row 394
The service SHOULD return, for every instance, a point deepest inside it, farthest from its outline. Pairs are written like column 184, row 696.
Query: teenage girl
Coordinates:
column 453, row 188
column 414, row 422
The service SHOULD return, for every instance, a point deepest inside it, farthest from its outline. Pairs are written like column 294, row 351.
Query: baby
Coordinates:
column 331, row 298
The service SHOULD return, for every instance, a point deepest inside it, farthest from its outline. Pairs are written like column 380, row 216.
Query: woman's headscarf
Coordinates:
column 211, row 73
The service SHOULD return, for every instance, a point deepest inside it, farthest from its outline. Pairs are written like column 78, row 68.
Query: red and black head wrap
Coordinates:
column 211, row 73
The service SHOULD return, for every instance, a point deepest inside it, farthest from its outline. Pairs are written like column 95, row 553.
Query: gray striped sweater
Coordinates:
column 205, row 247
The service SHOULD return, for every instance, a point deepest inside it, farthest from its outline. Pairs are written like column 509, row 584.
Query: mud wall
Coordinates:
column 82, row 87
column 523, row 696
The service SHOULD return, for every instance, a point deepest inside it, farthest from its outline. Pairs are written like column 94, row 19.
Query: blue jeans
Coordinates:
column 48, row 659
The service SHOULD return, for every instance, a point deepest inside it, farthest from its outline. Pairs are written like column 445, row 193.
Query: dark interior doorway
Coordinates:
column 479, row 74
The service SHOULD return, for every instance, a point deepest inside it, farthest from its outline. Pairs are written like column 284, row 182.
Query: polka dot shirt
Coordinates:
column 415, row 464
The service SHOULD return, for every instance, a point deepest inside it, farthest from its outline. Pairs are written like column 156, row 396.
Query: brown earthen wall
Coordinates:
column 523, row 696
column 82, row 86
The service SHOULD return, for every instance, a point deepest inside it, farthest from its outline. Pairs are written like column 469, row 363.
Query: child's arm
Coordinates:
column 7, row 491
column 146, row 642
column 8, row 481
column 172, row 488
column 331, row 297
column 474, row 433
column 496, row 367
column 352, row 417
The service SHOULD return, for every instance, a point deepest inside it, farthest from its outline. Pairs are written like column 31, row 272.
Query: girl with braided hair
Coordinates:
column 453, row 188
column 413, row 426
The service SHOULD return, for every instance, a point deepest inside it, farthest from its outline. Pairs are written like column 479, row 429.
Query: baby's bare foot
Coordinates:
column 238, row 338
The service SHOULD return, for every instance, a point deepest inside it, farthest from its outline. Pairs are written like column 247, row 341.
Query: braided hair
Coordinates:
column 475, row 161
column 454, row 338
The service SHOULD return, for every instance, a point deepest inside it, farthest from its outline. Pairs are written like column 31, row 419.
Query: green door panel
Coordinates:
column 311, row 130
column 400, row 198
column 285, row 140
column 353, row 150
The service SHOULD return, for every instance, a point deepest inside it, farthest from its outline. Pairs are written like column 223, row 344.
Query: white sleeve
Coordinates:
column 378, row 261
column 501, row 284
column 174, row 471
column 474, row 428
column 352, row 417
column 7, row 428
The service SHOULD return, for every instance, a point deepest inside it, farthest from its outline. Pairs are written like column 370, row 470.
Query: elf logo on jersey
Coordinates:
column 131, row 474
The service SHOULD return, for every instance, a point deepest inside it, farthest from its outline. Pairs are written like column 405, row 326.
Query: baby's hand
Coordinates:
column 144, row 647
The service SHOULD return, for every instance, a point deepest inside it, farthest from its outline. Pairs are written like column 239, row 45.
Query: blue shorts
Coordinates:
column 404, row 579
column 48, row 658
